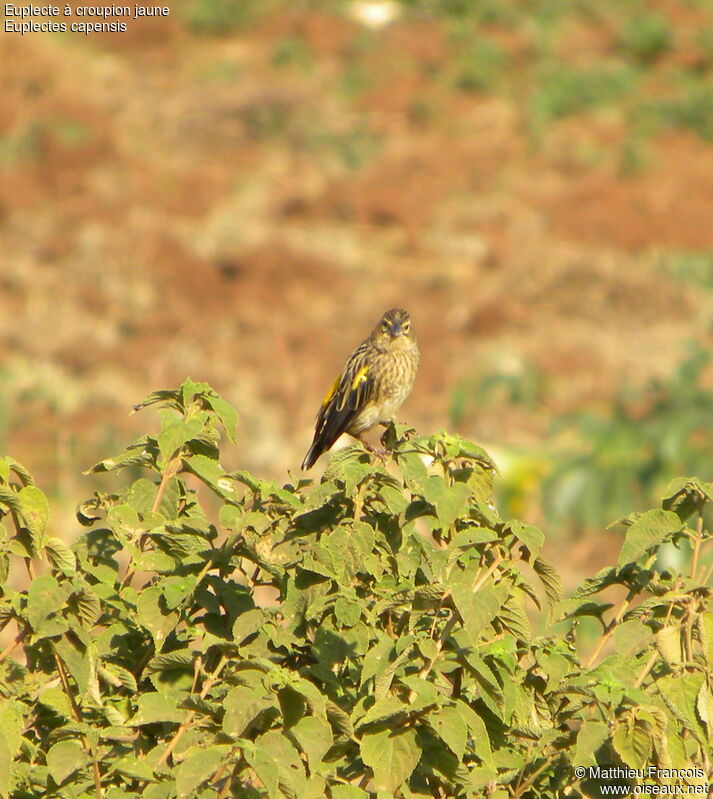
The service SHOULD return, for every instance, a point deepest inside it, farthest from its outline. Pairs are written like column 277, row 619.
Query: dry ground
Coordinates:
column 174, row 204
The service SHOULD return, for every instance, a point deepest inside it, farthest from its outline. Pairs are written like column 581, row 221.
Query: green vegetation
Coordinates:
column 220, row 17
column 367, row 636
column 646, row 37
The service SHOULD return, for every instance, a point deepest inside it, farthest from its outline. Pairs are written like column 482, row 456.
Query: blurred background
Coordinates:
column 237, row 192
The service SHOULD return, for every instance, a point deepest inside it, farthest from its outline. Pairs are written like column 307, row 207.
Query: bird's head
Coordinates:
column 392, row 325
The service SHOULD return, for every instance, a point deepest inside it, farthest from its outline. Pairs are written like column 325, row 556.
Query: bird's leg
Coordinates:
column 379, row 452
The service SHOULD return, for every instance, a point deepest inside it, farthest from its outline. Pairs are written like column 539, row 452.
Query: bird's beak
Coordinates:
column 396, row 329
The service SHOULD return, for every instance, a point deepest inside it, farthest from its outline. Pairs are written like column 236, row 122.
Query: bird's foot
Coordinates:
column 379, row 452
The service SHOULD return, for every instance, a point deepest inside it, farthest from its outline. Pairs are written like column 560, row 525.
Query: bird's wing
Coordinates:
column 348, row 395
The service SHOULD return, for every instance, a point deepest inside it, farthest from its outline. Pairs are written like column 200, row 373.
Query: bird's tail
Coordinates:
column 313, row 453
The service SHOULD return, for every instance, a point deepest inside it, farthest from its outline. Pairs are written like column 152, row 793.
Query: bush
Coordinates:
column 395, row 653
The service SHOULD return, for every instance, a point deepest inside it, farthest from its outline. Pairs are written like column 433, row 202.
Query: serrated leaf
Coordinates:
column 413, row 469
column 10, row 499
column 650, row 530
column 177, row 659
column 200, row 763
column 346, row 612
column 248, row 623
column 391, row 755
column 704, row 707
column 592, row 734
column 551, row 580
column 532, row 537
column 382, row 709
column 477, row 609
column 157, row 706
column 78, row 659
column 5, row 767
column 226, row 413
column 314, row 737
column 64, row 758
column 449, row 501
column 133, row 767
column 291, row 773
column 36, row 512
column 153, row 614
column 265, row 767
column 631, row 637
column 448, row 723
column 135, row 454
column 632, row 743
column 705, row 629
column 668, row 643
column 44, row 598
column 213, row 475
column 61, row 556
column 242, row 706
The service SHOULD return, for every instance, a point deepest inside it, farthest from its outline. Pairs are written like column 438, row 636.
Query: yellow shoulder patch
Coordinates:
column 332, row 391
column 360, row 377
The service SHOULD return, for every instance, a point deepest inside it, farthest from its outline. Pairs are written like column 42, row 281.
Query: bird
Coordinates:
column 375, row 381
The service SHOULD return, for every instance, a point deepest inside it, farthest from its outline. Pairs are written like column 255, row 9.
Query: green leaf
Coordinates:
column 391, row 755
column 133, row 767
column 61, row 556
column 64, row 758
column 631, row 637
column 175, row 432
column 592, row 734
column 157, row 706
column 532, row 537
column 347, row 612
column 265, row 766
column 705, row 629
column 650, row 530
column 704, row 706
column 78, row 660
column 291, row 772
column 44, row 598
column 413, row 469
column 242, row 706
column 248, row 623
column 314, row 738
column 213, row 475
column 550, row 579
column 153, row 614
column 5, row 767
column 226, row 413
column 668, row 643
column 479, row 733
column 477, row 609
column 199, row 764
column 36, row 511
column 449, row 725
column 449, row 501
column 632, row 743
column 348, row 792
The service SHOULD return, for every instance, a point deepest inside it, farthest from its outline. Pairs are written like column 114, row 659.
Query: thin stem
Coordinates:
column 186, row 723
column 535, row 774
column 77, row 714
column 610, row 628
column 170, row 471
column 698, row 540
column 480, row 581
column 426, row 669
column 10, row 648
column 647, row 668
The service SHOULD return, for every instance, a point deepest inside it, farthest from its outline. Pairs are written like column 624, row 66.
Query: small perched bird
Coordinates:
column 376, row 379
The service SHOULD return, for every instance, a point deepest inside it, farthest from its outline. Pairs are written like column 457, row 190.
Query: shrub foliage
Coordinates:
column 369, row 635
